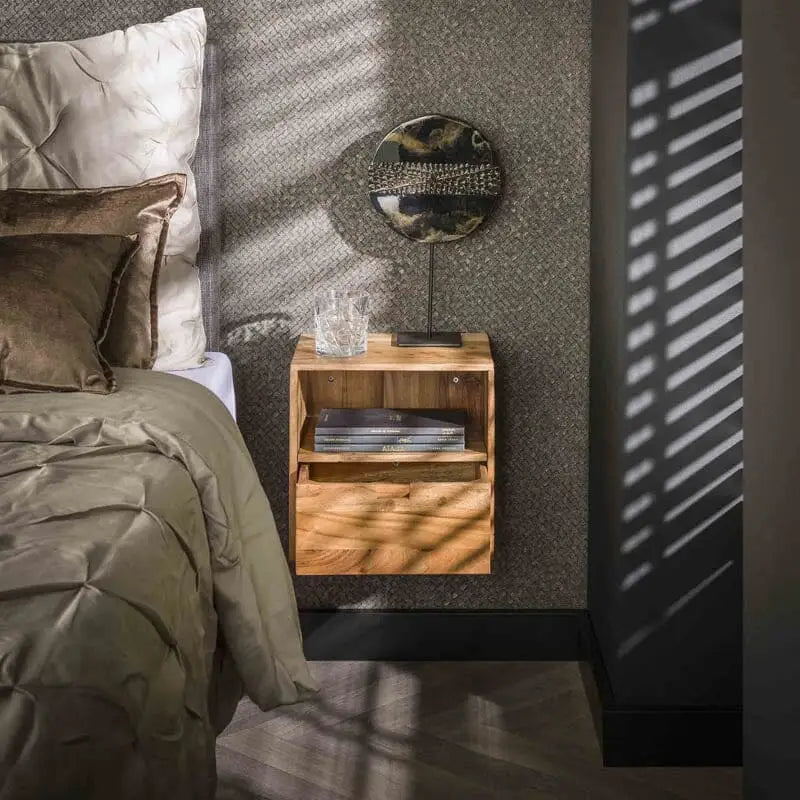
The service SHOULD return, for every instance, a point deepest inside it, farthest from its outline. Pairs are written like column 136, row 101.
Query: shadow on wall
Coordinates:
column 308, row 99
column 680, row 551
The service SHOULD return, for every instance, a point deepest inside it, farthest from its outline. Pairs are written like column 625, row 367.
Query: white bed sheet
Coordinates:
column 215, row 374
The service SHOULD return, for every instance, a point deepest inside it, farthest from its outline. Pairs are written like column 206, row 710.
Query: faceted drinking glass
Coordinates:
column 340, row 323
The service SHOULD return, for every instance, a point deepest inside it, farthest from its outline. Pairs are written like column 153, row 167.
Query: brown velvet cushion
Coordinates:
column 58, row 292
column 143, row 210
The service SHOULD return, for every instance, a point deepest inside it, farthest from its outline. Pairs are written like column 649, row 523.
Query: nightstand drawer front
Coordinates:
column 388, row 528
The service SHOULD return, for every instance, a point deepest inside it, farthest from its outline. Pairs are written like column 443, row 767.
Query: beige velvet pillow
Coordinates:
column 114, row 110
column 144, row 211
column 58, row 293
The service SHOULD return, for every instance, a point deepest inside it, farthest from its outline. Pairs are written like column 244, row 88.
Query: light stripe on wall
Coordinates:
column 682, row 466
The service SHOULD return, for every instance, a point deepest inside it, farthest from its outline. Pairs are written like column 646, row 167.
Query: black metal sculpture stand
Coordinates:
column 428, row 338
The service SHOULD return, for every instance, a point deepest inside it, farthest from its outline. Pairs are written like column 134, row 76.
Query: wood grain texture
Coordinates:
column 297, row 416
column 395, row 472
column 368, row 513
column 335, row 388
column 432, row 730
column 381, row 355
column 380, row 528
column 465, row 389
column 396, row 560
column 489, row 428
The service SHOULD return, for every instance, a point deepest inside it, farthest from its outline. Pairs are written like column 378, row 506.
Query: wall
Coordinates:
column 609, row 111
column 310, row 88
column 772, row 394
column 666, row 492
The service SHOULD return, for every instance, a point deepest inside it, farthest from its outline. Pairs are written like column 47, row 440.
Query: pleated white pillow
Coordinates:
column 114, row 110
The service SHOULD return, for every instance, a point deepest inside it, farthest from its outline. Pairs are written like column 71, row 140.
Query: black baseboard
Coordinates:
column 663, row 736
column 364, row 635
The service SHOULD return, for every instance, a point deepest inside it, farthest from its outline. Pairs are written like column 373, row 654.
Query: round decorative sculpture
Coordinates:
column 434, row 179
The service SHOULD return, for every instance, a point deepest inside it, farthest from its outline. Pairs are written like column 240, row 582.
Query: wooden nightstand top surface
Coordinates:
column 475, row 354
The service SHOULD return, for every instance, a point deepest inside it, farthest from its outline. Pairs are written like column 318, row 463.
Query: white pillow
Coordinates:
column 115, row 110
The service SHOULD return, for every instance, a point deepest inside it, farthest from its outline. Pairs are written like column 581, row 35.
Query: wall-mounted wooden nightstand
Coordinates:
column 392, row 513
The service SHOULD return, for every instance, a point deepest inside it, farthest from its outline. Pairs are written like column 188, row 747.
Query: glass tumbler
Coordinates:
column 340, row 323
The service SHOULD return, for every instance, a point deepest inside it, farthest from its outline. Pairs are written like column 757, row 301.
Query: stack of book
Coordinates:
column 387, row 430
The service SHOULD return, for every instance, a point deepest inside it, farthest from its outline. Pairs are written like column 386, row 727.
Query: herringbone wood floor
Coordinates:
column 414, row 731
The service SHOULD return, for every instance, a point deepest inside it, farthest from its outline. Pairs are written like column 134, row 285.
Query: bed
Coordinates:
column 143, row 586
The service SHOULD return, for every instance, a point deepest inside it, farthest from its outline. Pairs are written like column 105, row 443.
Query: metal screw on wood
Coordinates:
column 331, row 378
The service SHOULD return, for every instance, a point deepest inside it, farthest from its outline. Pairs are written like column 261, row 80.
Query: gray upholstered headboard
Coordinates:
column 206, row 167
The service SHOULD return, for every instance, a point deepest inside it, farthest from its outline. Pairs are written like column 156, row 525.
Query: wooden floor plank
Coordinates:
column 371, row 766
column 413, row 731
column 243, row 778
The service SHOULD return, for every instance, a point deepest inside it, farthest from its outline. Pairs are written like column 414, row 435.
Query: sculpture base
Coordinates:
column 421, row 339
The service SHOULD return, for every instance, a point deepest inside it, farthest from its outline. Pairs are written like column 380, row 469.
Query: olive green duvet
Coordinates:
column 138, row 553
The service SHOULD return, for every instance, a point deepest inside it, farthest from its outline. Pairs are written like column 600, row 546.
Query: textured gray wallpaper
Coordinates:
column 310, row 89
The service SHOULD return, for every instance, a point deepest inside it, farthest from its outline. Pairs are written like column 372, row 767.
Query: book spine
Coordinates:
column 352, row 431
column 388, row 448
column 389, row 439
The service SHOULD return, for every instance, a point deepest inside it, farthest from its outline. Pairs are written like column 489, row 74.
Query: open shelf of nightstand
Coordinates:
column 475, row 451
column 354, row 513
